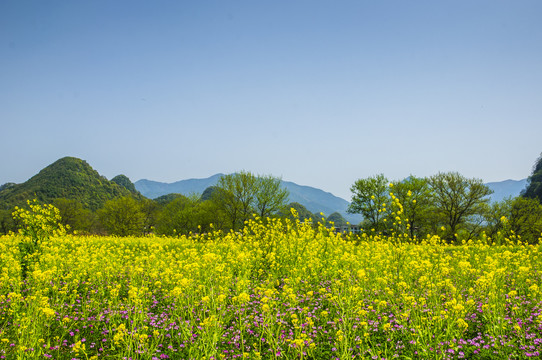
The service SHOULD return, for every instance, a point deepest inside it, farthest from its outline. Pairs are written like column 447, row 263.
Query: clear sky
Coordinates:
column 321, row 93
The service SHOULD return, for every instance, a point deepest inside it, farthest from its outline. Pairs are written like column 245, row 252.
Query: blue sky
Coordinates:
column 321, row 93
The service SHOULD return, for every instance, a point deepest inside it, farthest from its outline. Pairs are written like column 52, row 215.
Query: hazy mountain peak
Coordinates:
column 506, row 188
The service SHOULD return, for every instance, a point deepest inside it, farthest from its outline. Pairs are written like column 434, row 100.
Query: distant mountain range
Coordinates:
column 154, row 189
column 506, row 188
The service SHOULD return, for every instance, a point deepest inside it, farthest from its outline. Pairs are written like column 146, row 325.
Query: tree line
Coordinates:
column 447, row 204
column 227, row 206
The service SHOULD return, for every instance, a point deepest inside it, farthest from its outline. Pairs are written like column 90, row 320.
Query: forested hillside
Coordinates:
column 69, row 178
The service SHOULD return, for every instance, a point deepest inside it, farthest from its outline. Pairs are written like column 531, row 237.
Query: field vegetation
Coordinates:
column 277, row 289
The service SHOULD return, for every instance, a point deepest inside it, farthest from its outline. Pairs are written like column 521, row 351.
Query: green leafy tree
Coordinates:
column 303, row 214
column 178, row 217
column 534, row 182
column 337, row 219
column 525, row 219
column 37, row 223
column 457, row 199
column 370, row 198
column 179, row 214
column 270, row 196
column 74, row 215
column 243, row 194
column 166, row 199
column 150, row 209
column 210, row 216
column 235, row 195
column 124, row 216
column 7, row 224
column 493, row 217
column 208, row 193
column 416, row 197
column 520, row 217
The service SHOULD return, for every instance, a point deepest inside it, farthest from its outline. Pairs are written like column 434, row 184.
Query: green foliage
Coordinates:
column 166, row 199
column 74, row 216
column 525, row 219
column 39, row 222
column 303, row 214
column 124, row 216
column 337, row 219
column 456, row 200
column 208, row 193
column 447, row 203
column 7, row 223
column 36, row 225
column 493, row 217
column 243, row 194
column 270, row 196
column 521, row 217
column 7, row 186
column 176, row 217
column 150, row 209
column 416, row 197
column 186, row 215
column 370, row 198
column 534, row 182
column 235, row 196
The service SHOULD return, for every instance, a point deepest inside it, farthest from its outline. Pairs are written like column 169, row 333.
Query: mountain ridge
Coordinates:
column 506, row 188
column 153, row 189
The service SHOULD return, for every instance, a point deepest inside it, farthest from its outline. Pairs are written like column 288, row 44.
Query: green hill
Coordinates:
column 69, row 178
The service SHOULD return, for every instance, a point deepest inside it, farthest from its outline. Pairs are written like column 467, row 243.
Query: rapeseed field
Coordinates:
column 277, row 290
